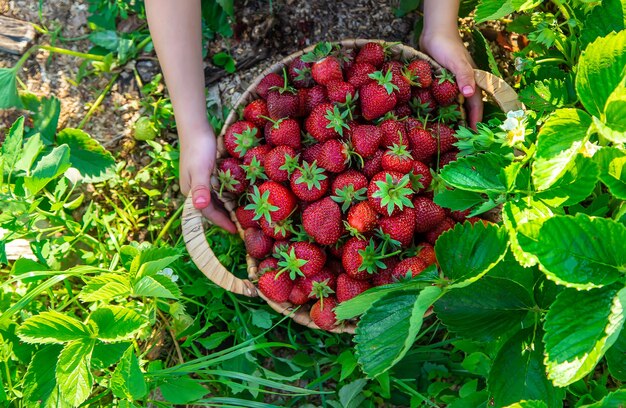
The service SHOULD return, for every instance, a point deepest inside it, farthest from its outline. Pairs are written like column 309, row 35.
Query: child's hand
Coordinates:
column 440, row 39
column 197, row 159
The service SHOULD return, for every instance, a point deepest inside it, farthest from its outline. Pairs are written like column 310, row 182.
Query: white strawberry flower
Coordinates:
column 515, row 127
column 169, row 273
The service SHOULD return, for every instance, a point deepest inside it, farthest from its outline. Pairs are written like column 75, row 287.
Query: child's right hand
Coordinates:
column 197, row 160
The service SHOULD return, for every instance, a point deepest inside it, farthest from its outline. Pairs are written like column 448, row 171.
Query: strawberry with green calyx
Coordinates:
column 423, row 144
column 403, row 93
column 300, row 73
column 231, row 176
column 444, row 88
column 349, row 187
column 448, row 114
column 298, row 296
column 408, row 268
column 358, row 74
column 272, row 201
column 390, row 192
column 387, row 242
column 427, row 214
column 362, row 258
column 373, row 165
column 319, row 285
column 240, row 137
column 320, row 51
column 397, row 158
column 271, row 80
column 257, row 243
column 443, row 226
column 283, row 101
column 319, row 125
column 326, row 70
column 372, row 53
column 291, row 264
column 426, row 252
column 254, row 171
column 284, row 131
column 280, row 163
column 366, row 139
column 337, row 120
column 383, row 277
column 308, row 182
column 422, row 101
column 280, row 246
column 245, row 218
column 335, row 156
column 419, row 73
column 275, row 286
column 345, row 56
column 348, row 288
column 400, row 227
column 280, row 230
column 348, row 107
column 445, row 136
column 421, row 176
column 256, row 112
column 378, row 97
column 394, row 131
column 313, row 256
column 340, row 91
column 322, row 221
column 323, row 314
column 361, row 219
column 267, row 264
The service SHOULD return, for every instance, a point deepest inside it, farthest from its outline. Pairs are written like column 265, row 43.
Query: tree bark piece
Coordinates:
column 15, row 35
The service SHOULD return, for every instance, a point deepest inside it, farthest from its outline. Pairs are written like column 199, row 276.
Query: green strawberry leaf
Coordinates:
column 579, row 328
column 493, row 10
column 615, row 357
column 548, row 95
column 614, row 399
column 604, row 19
column 611, row 162
column 576, row 184
column 9, row 98
column 613, row 123
column 479, row 173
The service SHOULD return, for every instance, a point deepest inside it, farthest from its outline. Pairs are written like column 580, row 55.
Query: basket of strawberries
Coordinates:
column 325, row 166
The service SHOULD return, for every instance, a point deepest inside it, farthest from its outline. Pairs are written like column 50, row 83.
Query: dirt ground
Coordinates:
column 262, row 36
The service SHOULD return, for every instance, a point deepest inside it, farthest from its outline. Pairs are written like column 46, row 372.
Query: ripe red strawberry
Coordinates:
column 326, row 70
column 420, row 73
column 319, row 125
column 280, row 162
column 402, row 110
column 334, row 156
column 278, row 230
column 459, row 216
column 349, row 187
column 297, row 296
column 254, row 111
column 362, row 217
column 366, row 139
column 389, row 192
column 347, row 288
column 443, row 226
column 447, row 158
column 345, row 56
column 266, row 264
column 360, row 258
column 423, row 144
column 383, row 277
column 269, row 81
column 445, row 135
column 411, row 123
column 373, row 165
column 318, row 285
column 302, row 259
column 312, row 152
column 397, row 158
column 240, row 137
column 322, row 221
column 427, row 253
column 338, row 91
column 283, row 103
column 408, row 267
column 280, row 246
column 427, row 214
column 245, row 218
column 273, row 201
column 420, row 174
column 403, row 93
column 313, row 97
column 358, row 74
column 394, row 132
column 377, row 98
column 300, row 73
column 444, row 88
column 257, row 243
column 275, row 286
column 400, row 227
column 231, row 176
column 423, row 100
column 371, row 53
column 285, row 132
column 257, row 152
column 309, row 182
column 323, row 315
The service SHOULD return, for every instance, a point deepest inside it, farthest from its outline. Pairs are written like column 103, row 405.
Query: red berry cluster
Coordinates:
column 334, row 164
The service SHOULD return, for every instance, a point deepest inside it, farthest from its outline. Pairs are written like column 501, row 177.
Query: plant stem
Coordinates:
column 98, row 101
column 168, row 225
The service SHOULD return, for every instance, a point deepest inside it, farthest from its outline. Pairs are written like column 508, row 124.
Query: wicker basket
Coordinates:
column 193, row 228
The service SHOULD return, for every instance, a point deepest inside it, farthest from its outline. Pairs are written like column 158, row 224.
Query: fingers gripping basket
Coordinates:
column 193, row 228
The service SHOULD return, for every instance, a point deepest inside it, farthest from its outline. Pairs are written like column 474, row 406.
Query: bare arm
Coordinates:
column 440, row 39
column 176, row 32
